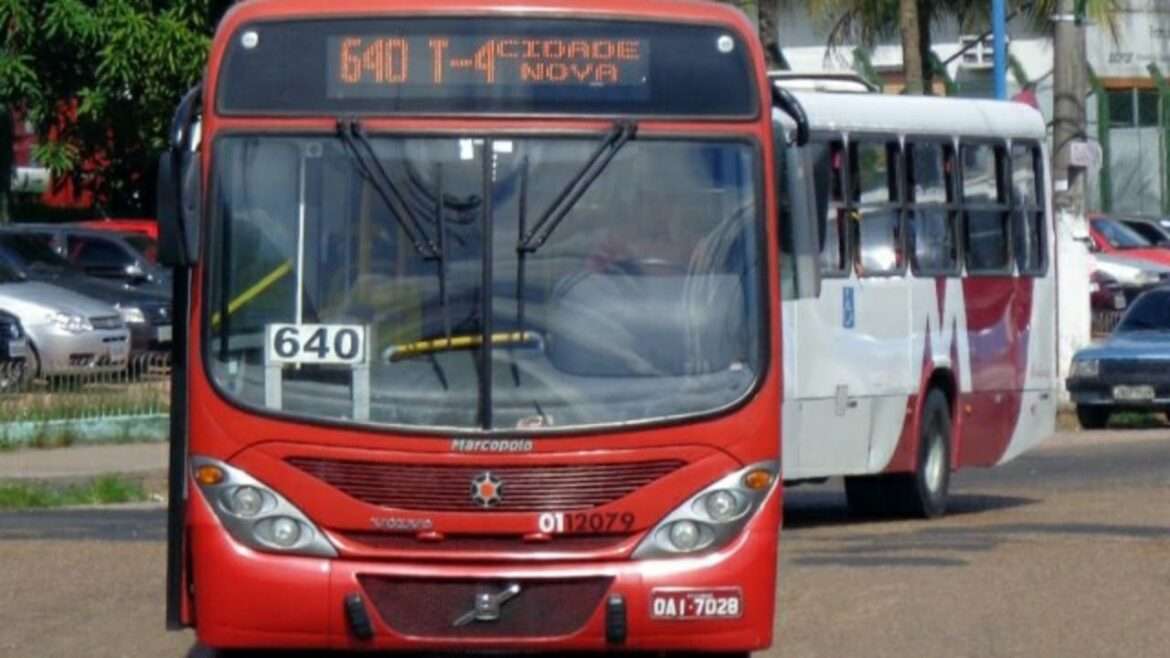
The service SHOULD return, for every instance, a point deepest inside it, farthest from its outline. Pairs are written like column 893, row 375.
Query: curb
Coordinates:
column 90, row 431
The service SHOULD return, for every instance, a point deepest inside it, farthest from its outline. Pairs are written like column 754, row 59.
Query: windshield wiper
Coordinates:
column 579, row 184
column 351, row 131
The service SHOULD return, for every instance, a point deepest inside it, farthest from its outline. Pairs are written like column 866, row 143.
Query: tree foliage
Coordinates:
column 99, row 80
column 870, row 21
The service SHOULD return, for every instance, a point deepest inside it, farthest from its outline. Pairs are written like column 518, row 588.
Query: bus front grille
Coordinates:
column 428, row 607
column 523, row 488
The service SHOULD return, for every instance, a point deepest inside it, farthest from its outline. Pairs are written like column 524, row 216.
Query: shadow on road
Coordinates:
column 946, row 544
column 811, row 509
column 84, row 525
column 199, row 651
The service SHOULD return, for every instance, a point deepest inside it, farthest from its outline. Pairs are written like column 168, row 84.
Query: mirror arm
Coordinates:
column 783, row 99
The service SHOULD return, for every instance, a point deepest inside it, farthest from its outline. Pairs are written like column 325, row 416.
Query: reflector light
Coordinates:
column 209, row 475
column 757, row 480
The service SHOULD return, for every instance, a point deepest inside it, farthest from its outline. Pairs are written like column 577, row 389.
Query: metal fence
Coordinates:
column 1103, row 322
column 130, row 404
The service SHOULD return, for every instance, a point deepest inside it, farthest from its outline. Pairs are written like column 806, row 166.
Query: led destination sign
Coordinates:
column 486, row 65
column 389, row 66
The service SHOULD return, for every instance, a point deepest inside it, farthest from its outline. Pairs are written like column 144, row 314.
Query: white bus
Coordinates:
column 920, row 310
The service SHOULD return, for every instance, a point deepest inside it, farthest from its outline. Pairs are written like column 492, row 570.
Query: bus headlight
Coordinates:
column 712, row 517
column 722, row 505
column 254, row 514
column 245, row 501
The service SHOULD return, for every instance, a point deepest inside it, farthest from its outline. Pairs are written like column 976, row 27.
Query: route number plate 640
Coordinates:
column 683, row 604
column 315, row 344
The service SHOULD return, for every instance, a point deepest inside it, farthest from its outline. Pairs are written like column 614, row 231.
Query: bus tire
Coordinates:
column 1092, row 417
column 923, row 493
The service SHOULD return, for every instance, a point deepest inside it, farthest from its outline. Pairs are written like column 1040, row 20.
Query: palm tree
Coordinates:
column 912, row 55
column 868, row 21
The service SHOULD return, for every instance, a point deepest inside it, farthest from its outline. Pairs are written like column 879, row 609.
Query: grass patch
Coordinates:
column 103, row 490
column 1136, row 420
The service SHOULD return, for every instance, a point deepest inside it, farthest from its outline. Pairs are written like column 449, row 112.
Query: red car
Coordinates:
column 1105, row 293
column 1111, row 236
column 144, row 226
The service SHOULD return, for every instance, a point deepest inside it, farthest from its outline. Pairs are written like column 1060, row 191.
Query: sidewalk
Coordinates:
column 83, row 461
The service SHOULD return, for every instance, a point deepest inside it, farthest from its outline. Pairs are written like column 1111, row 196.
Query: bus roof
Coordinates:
column 922, row 115
column 686, row 10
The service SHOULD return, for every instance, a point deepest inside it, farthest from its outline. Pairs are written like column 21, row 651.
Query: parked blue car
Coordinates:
column 1130, row 370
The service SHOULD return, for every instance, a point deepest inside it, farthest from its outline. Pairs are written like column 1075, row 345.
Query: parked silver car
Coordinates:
column 1134, row 274
column 68, row 334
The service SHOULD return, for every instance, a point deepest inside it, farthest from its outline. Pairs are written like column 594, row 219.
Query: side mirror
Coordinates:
column 134, row 273
column 1090, row 245
column 171, row 248
column 180, row 187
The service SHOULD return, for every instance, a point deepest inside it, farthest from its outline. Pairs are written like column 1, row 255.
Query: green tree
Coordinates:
column 870, row 21
column 99, row 80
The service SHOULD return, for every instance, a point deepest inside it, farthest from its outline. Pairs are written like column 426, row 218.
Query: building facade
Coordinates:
column 1128, row 109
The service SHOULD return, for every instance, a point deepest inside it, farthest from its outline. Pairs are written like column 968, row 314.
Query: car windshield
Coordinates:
column 1118, row 235
column 143, row 244
column 1147, row 231
column 9, row 275
column 1150, row 312
column 30, row 253
column 638, row 298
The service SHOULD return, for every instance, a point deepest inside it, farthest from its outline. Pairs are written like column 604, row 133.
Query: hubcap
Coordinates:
column 934, row 463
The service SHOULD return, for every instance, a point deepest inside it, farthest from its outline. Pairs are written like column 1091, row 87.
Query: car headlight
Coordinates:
column 254, row 514
column 1147, row 277
column 74, row 324
column 1085, row 368
column 131, row 314
column 711, row 518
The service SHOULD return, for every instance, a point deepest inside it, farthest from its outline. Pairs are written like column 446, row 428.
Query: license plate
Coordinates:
column 163, row 334
column 16, row 348
column 682, row 604
column 119, row 351
column 1130, row 393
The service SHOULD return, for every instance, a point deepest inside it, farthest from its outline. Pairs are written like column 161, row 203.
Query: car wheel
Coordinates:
column 1093, row 417
column 33, row 367
column 11, row 374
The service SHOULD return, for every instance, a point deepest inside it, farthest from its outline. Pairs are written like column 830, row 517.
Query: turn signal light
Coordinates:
column 757, row 480
column 209, row 475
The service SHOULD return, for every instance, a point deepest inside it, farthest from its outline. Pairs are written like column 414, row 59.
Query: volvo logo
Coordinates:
column 487, row 490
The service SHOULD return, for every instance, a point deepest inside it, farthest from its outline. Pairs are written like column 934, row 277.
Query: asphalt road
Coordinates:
column 1064, row 552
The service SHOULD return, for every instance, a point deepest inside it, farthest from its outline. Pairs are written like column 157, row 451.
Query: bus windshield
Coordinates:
column 641, row 303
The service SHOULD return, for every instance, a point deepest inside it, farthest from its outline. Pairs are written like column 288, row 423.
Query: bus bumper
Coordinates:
column 244, row 598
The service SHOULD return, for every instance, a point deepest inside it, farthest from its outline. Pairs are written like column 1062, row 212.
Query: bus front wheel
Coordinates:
column 921, row 493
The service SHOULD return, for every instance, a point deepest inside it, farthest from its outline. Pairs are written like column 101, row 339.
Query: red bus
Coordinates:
column 482, row 345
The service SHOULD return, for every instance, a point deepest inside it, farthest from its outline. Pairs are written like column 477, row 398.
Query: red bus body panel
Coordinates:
column 244, row 598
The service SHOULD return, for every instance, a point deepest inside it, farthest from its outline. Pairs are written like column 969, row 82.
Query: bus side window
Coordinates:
column 835, row 245
column 933, row 212
column 784, row 207
column 1028, row 210
column 878, row 208
column 985, row 210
